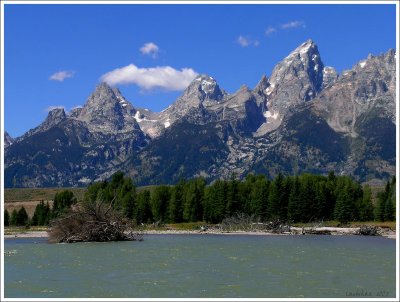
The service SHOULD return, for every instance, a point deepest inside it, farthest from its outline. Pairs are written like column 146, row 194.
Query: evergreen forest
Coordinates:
column 304, row 198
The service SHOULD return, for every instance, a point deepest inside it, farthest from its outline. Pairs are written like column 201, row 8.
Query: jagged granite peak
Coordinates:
column 296, row 79
column 329, row 76
column 87, row 145
column 203, row 88
column 74, row 113
column 244, row 109
column 107, row 111
column 262, row 85
column 8, row 140
column 55, row 116
column 366, row 90
column 202, row 93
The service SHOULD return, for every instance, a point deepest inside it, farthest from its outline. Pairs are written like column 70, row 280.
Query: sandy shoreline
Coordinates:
column 294, row 231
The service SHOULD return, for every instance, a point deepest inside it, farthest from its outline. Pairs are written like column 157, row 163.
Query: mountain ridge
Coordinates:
column 304, row 117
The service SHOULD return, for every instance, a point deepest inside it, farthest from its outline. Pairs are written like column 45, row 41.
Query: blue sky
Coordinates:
column 55, row 55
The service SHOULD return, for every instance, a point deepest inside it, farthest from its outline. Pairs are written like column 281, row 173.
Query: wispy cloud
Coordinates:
column 60, row 76
column 150, row 49
column 243, row 41
column 293, row 24
column 270, row 30
column 246, row 42
column 164, row 77
column 50, row 108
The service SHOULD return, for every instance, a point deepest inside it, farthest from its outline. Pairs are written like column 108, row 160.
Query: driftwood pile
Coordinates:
column 368, row 230
column 245, row 223
column 92, row 221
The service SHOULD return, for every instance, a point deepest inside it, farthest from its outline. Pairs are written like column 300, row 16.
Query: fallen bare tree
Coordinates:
column 92, row 221
column 251, row 223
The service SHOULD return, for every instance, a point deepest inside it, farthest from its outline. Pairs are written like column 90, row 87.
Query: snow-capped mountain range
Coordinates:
column 303, row 118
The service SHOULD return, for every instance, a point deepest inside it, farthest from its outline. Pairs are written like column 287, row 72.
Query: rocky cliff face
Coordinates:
column 298, row 78
column 72, row 150
column 54, row 117
column 303, row 118
column 8, row 140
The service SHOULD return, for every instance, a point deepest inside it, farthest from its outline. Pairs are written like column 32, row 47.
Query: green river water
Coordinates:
column 203, row 266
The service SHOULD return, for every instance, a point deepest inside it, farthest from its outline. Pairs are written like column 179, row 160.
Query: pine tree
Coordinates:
column 14, row 216
column 143, row 212
column 62, row 202
column 159, row 203
column 320, row 200
column 42, row 213
column 330, row 198
column 244, row 192
column 295, row 211
column 126, row 196
column 381, row 206
column 176, row 203
column 215, row 202
column 194, row 199
column 275, row 198
column 365, row 208
column 259, row 197
column 344, row 205
column 6, row 218
column 389, row 209
column 233, row 205
column 22, row 217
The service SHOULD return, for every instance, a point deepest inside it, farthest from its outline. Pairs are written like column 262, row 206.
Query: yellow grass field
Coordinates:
column 29, row 198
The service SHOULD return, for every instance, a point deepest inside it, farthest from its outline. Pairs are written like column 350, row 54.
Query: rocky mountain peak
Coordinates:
column 204, row 87
column 102, row 95
column 8, row 140
column 54, row 117
column 297, row 78
column 106, row 110
column 262, row 85
column 305, row 47
column 244, row 88
column 203, row 92
column 305, row 57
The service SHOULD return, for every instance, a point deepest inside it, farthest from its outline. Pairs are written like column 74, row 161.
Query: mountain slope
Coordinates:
column 71, row 150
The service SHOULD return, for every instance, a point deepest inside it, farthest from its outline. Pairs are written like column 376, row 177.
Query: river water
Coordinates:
column 203, row 266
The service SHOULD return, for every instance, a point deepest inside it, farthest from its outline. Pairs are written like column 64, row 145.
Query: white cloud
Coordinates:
column 50, row 108
column 61, row 75
column 245, row 42
column 150, row 49
column 164, row 77
column 293, row 24
column 270, row 30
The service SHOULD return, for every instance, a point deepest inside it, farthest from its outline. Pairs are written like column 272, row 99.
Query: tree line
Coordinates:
column 43, row 212
column 303, row 198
